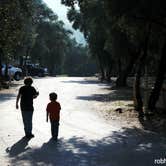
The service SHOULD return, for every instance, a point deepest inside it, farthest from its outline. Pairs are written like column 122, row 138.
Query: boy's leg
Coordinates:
column 52, row 128
column 55, row 129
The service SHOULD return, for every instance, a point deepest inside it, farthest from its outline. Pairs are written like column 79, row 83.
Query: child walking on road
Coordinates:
column 53, row 111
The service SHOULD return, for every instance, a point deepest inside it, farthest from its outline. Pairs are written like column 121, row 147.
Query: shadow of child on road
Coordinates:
column 18, row 148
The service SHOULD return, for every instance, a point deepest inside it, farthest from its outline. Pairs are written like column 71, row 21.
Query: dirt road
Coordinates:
column 85, row 139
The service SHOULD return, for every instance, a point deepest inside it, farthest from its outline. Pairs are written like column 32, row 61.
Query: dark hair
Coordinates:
column 28, row 81
column 53, row 96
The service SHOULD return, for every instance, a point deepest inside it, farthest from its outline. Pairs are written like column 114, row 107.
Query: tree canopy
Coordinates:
column 125, row 37
column 35, row 33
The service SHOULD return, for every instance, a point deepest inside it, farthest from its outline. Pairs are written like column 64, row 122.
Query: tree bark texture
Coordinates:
column 101, row 68
column 122, row 79
column 141, row 64
column 159, row 80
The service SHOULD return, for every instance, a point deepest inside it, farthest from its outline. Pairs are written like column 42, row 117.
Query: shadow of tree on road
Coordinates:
column 114, row 95
column 131, row 146
column 6, row 96
column 15, row 85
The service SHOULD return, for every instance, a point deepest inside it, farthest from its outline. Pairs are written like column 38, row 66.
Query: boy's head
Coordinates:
column 28, row 81
column 53, row 96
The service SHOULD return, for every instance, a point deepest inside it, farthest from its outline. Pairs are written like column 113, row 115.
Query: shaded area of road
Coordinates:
column 119, row 149
column 6, row 96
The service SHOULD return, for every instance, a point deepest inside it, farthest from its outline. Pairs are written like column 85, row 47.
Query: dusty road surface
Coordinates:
column 85, row 138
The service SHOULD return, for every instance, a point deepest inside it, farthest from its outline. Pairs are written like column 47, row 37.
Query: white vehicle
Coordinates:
column 13, row 72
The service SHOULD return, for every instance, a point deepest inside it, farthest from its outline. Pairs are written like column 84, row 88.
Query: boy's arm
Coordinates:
column 17, row 100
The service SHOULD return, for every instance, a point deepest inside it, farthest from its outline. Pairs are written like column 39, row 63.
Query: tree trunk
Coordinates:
column 122, row 79
column 159, row 80
column 108, row 74
column 1, row 52
column 119, row 67
column 25, row 70
column 6, row 72
column 138, row 104
column 21, row 61
column 141, row 64
column 102, row 77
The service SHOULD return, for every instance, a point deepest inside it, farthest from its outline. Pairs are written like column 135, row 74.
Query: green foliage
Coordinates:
column 91, row 20
column 13, row 24
column 54, row 47
column 32, row 31
column 119, row 28
column 78, row 61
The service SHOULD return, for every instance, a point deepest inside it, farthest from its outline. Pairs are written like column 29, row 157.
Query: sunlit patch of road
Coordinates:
column 78, row 117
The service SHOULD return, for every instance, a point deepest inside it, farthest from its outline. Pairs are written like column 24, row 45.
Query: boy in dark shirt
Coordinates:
column 27, row 93
column 53, row 111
